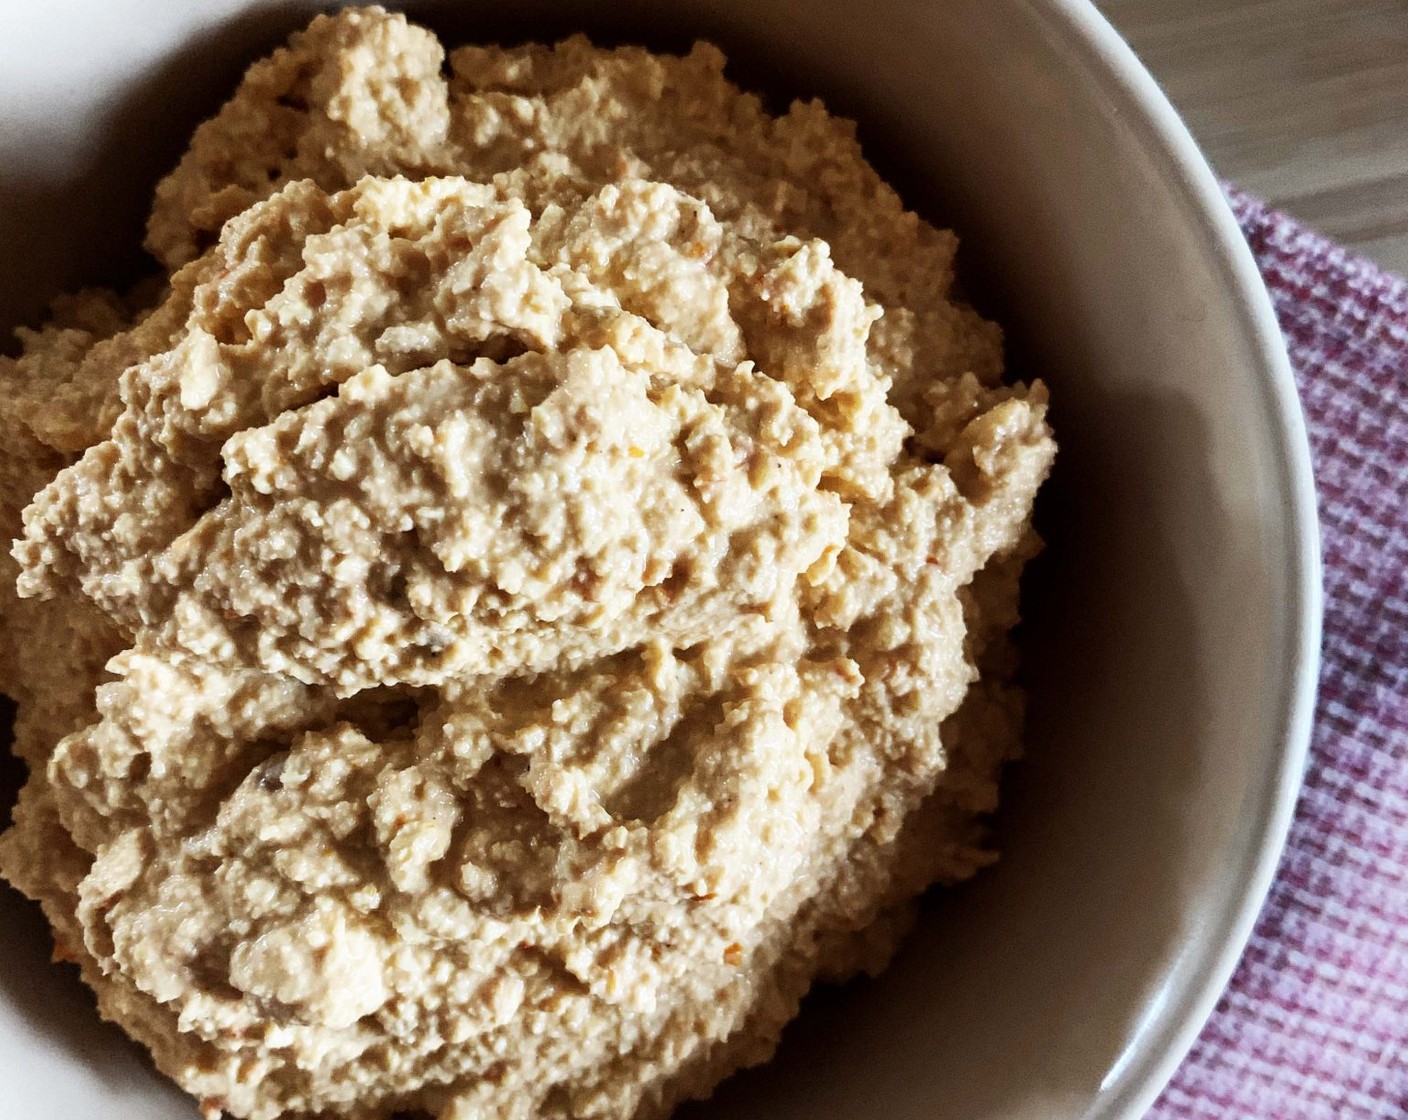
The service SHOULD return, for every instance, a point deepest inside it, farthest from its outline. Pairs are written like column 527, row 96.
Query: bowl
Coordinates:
column 1172, row 625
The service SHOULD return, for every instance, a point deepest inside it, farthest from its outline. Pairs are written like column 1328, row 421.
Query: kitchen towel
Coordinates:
column 1314, row 1025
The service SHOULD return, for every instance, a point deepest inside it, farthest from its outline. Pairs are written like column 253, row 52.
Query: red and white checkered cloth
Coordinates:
column 1314, row 1025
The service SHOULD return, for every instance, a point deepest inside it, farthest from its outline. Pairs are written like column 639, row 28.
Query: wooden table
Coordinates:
column 1303, row 102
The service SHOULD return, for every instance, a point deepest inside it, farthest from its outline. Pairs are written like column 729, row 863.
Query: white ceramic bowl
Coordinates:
column 1174, row 620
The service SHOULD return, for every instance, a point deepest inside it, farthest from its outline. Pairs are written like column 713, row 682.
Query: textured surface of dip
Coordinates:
column 527, row 597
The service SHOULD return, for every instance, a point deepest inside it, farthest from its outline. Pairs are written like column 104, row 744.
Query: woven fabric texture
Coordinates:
column 1314, row 1025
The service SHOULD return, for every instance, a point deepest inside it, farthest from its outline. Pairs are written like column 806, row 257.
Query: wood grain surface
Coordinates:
column 1303, row 102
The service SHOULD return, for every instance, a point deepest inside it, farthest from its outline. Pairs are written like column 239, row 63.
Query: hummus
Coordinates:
column 526, row 598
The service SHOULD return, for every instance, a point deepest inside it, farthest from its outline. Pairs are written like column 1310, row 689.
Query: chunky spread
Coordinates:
column 527, row 597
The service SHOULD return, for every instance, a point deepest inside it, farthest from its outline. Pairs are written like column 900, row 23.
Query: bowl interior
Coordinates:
column 1168, row 622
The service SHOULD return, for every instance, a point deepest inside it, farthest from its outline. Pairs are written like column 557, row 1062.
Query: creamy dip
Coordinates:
column 526, row 598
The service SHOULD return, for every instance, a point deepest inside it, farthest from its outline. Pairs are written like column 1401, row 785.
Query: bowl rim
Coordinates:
column 1167, row 1033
